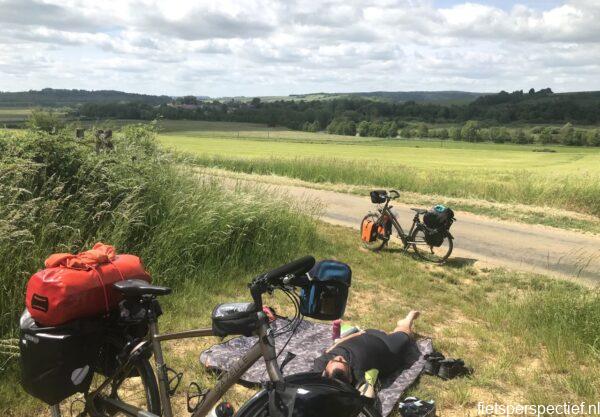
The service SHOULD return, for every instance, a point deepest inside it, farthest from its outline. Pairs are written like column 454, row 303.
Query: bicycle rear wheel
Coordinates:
column 430, row 253
column 137, row 388
column 383, row 233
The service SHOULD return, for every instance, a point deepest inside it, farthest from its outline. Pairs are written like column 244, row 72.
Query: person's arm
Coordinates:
column 344, row 339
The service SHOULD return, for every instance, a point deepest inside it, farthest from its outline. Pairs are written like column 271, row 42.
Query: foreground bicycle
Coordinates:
column 131, row 387
column 431, row 242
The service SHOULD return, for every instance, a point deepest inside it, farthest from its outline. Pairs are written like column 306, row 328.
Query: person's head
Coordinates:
column 338, row 368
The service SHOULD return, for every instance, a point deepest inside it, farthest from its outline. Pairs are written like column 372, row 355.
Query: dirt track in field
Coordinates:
column 478, row 239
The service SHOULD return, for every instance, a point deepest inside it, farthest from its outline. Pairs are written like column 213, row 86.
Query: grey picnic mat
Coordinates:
column 308, row 342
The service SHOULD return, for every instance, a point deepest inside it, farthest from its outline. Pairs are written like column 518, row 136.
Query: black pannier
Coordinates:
column 57, row 362
column 378, row 196
column 124, row 326
column 439, row 217
column 434, row 237
column 325, row 297
column 234, row 319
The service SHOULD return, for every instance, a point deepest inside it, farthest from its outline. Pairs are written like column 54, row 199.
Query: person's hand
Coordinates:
column 343, row 339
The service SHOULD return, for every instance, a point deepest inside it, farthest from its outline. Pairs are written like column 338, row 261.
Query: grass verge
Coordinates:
column 59, row 195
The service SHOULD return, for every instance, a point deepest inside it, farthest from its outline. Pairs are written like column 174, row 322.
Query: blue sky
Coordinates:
column 268, row 47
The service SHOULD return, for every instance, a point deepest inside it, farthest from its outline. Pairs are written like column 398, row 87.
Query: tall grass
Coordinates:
column 58, row 195
column 562, row 316
column 576, row 192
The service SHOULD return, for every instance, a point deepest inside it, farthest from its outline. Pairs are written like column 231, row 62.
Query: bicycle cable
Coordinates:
column 293, row 298
column 293, row 325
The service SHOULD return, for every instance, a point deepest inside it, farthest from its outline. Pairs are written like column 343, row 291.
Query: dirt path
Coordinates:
column 532, row 248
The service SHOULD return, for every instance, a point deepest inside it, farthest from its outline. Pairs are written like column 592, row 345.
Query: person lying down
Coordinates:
column 350, row 357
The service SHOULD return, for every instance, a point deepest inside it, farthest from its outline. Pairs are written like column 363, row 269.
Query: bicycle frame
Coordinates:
column 386, row 211
column 264, row 347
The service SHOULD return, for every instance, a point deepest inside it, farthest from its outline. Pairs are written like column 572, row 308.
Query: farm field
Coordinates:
column 560, row 177
column 17, row 115
column 13, row 114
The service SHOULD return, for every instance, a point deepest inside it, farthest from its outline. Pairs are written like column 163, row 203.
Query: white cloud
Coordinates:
column 265, row 47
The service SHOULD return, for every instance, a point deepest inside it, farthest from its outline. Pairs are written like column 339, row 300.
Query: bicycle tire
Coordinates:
column 380, row 242
column 261, row 409
column 143, row 370
column 431, row 257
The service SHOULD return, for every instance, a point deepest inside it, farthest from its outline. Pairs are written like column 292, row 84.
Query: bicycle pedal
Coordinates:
column 177, row 376
column 197, row 396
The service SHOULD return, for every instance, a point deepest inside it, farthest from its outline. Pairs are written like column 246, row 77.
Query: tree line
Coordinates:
column 471, row 131
column 351, row 116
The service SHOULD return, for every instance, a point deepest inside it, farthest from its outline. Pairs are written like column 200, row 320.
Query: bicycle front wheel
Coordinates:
column 424, row 250
column 383, row 234
column 261, row 409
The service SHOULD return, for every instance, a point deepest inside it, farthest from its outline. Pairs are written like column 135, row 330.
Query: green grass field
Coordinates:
column 566, row 178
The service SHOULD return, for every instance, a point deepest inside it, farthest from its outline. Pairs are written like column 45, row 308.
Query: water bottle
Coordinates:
column 225, row 409
column 336, row 329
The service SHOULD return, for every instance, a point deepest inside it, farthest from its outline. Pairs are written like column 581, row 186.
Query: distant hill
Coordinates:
column 318, row 112
column 435, row 97
column 50, row 97
column 438, row 97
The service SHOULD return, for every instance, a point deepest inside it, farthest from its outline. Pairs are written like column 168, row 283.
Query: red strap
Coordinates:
column 103, row 288
column 102, row 282
column 118, row 270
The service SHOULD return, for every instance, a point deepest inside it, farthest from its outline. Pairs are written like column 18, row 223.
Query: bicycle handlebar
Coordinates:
column 294, row 270
column 298, row 267
column 397, row 194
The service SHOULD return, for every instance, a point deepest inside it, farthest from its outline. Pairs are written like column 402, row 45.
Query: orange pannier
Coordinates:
column 368, row 231
column 78, row 286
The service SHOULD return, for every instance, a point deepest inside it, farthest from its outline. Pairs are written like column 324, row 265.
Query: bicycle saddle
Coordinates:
column 137, row 288
column 418, row 210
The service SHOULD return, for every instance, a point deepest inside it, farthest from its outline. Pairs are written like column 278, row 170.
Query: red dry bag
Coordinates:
column 77, row 286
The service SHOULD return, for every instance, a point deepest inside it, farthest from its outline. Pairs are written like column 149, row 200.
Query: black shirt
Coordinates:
column 373, row 349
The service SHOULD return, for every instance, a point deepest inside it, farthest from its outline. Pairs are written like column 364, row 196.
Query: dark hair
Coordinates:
column 340, row 375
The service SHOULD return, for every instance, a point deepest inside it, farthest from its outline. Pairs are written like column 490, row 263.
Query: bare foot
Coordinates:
column 413, row 315
column 406, row 324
